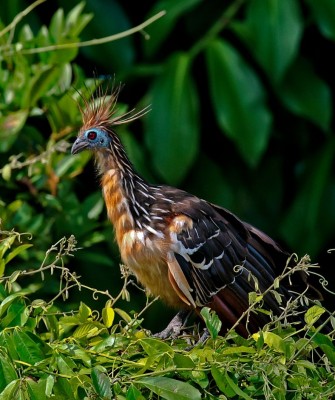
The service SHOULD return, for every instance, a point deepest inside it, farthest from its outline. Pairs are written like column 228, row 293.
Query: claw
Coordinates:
column 175, row 325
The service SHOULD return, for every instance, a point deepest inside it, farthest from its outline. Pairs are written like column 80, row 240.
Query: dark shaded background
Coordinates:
column 242, row 115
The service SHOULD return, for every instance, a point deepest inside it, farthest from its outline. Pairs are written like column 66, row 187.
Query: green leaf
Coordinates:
column 158, row 32
column 303, row 215
column 75, row 22
column 325, row 344
column 239, row 101
column 272, row 31
column 108, row 315
column 134, row 394
column 274, row 341
column 42, row 81
column 87, row 330
column 172, row 126
column 84, row 312
column 313, row 314
column 212, row 321
column 101, row 383
column 28, row 350
column 11, row 390
column 50, row 381
column 221, row 381
column 236, row 388
column 65, row 365
column 7, row 372
column 324, row 13
column 170, row 389
column 6, row 341
column 17, row 251
column 154, row 347
column 56, row 28
column 17, row 315
column 10, row 127
column 305, row 94
column 36, row 390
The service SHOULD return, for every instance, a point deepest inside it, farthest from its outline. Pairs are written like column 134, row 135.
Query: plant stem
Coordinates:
column 92, row 42
column 220, row 24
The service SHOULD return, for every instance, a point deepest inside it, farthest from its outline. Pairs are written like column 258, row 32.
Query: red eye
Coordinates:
column 91, row 135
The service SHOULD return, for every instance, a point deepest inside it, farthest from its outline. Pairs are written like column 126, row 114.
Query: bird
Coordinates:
column 186, row 250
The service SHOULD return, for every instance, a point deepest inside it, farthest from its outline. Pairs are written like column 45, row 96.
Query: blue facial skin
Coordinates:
column 91, row 139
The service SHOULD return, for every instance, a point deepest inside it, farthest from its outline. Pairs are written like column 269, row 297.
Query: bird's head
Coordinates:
column 92, row 139
column 99, row 118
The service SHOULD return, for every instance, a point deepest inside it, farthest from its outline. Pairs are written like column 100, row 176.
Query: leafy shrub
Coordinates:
column 88, row 354
column 224, row 72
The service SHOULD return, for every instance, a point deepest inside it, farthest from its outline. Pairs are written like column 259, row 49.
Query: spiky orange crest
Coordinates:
column 100, row 111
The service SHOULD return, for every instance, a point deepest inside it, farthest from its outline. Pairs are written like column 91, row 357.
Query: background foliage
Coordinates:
column 242, row 115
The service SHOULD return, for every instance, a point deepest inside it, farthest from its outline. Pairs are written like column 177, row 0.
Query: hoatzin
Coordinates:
column 189, row 252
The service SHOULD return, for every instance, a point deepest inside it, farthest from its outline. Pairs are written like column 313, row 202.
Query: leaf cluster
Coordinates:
column 88, row 354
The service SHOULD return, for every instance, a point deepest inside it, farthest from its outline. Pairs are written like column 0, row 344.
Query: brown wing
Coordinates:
column 215, row 255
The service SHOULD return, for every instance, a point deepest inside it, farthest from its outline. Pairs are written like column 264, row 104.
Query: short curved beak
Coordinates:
column 79, row 145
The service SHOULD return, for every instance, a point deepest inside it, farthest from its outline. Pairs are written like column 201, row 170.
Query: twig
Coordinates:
column 92, row 42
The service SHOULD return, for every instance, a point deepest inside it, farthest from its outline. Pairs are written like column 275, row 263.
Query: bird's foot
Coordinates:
column 203, row 338
column 175, row 325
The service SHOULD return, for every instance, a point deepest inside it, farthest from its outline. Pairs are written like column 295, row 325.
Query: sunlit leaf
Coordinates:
column 84, row 312
column 212, row 321
column 313, row 314
column 108, row 315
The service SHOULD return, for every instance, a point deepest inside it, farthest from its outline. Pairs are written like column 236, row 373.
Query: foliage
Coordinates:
column 241, row 99
column 89, row 354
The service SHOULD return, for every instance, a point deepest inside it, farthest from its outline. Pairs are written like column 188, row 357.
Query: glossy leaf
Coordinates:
column 170, row 389
column 272, row 31
column 239, row 101
column 172, row 126
column 101, row 383
column 313, row 100
column 324, row 13
column 212, row 321
column 108, row 315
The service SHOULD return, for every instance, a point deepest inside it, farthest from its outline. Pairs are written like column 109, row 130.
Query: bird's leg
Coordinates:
column 175, row 325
